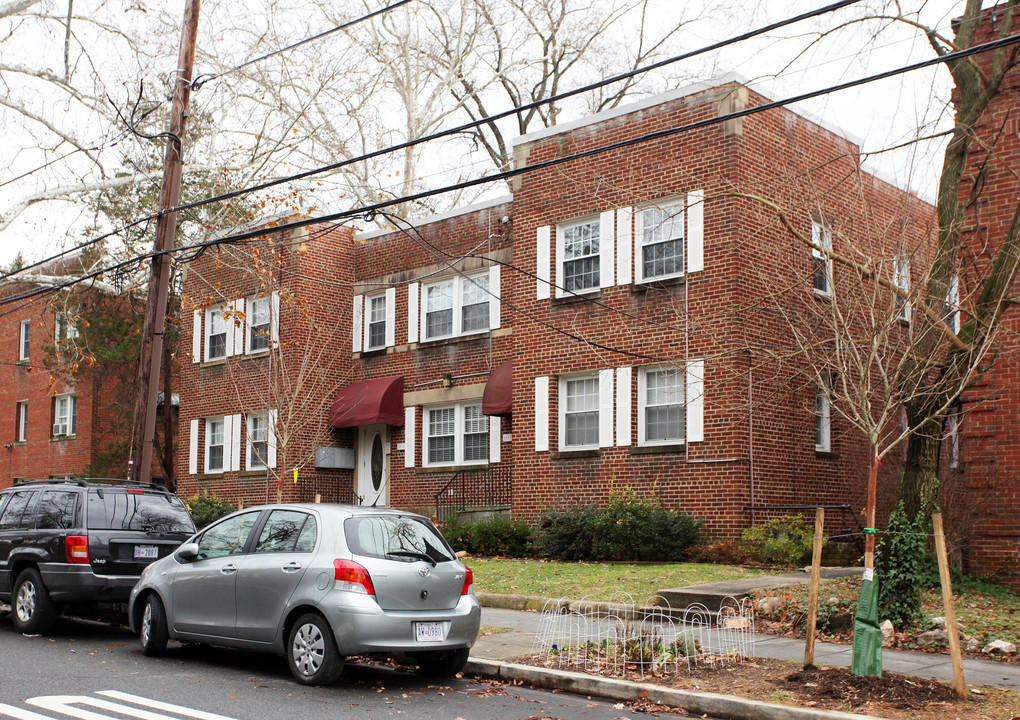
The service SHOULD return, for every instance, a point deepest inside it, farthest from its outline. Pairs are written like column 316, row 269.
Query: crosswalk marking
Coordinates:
column 70, row 705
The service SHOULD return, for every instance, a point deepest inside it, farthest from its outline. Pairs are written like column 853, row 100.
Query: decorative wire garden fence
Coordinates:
column 620, row 636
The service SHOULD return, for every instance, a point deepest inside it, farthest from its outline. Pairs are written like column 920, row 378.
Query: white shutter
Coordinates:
column 695, row 400
column 271, row 439
column 412, row 313
column 607, row 249
column 196, row 338
column 234, row 441
column 624, row 246
column 495, row 305
column 356, row 317
column 605, row 408
column 240, row 326
column 249, row 314
column 543, row 271
column 409, row 436
column 495, row 437
column 695, row 230
column 274, row 320
column 639, row 238
column 391, row 317
column 623, row 385
column 193, row 449
column 541, row 414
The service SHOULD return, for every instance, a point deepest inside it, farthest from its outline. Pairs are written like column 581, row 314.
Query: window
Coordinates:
column 395, row 538
column 458, row 306
column 25, row 342
column 952, row 309
column 64, row 328
column 64, row 415
column 56, row 510
column 579, row 412
column 12, row 517
column 227, row 537
column 376, row 322
column 258, row 441
column 661, row 239
column 821, row 238
column 661, row 418
column 216, row 335
column 456, row 435
column 822, row 421
column 288, row 531
column 953, row 437
column 578, row 255
column 259, row 324
column 21, row 420
column 902, row 272
column 214, row 444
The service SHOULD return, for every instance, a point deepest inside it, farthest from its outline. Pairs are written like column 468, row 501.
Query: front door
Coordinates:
column 373, row 464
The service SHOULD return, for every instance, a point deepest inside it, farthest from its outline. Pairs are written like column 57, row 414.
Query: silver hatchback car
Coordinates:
column 315, row 583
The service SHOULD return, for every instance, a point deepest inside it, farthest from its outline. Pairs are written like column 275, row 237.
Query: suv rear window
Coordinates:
column 395, row 538
column 121, row 510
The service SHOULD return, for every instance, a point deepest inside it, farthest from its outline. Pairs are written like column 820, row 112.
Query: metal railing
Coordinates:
column 330, row 490
column 486, row 487
column 847, row 534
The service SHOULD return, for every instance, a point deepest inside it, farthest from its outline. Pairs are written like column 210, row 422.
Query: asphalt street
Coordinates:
column 95, row 671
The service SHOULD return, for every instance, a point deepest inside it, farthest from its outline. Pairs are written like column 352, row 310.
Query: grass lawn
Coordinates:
column 600, row 581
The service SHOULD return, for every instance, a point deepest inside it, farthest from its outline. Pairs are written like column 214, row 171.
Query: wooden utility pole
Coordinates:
column 159, row 283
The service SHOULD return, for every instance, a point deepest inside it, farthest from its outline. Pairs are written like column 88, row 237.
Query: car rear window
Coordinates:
column 395, row 538
column 56, row 510
column 120, row 510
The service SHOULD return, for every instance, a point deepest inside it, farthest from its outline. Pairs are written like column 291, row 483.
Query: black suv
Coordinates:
column 80, row 545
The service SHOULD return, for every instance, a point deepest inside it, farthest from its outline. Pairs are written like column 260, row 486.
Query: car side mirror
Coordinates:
column 187, row 552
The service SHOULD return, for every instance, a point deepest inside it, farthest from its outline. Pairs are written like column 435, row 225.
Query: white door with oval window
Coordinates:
column 373, row 464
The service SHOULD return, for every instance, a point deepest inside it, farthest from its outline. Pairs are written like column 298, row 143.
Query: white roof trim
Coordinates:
column 502, row 199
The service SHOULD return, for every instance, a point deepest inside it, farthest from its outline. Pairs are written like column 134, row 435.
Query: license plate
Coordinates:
column 146, row 552
column 428, row 632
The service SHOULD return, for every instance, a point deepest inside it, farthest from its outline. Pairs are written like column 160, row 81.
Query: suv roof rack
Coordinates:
column 90, row 482
column 70, row 481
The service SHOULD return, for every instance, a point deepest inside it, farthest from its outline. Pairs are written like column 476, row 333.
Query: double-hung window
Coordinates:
column 579, row 412
column 823, row 439
column 952, row 309
column 24, row 342
column 258, row 441
column 259, row 318
column 21, row 428
column 821, row 263
column 902, row 272
column 215, row 436
column 376, row 319
column 458, row 306
column 578, row 255
column 216, row 335
column 661, row 240
column 64, row 412
column 64, row 328
column 661, row 416
column 456, row 435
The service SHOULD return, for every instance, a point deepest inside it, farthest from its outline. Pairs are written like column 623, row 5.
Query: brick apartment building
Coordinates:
column 59, row 423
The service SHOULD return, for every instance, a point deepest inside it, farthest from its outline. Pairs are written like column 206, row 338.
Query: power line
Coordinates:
column 201, row 80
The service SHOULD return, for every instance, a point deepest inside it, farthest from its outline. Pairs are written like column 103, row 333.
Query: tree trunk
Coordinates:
column 920, row 488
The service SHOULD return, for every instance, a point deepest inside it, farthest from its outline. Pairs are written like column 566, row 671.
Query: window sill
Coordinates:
column 664, row 284
column 821, row 294
column 249, row 474
column 374, row 352
column 218, row 362
column 23, row 361
column 676, row 449
column 453, row 340
column 210, row 476
column 61, row 438
column 570, row 299
column 447, row 469
column 574, row 454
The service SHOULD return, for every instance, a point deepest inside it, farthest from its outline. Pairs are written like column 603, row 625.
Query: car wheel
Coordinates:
column 311, row 652
column 443, row 663
column 153, row 630
column 32, row 610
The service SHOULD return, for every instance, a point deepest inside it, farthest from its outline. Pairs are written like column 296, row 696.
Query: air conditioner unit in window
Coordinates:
column 59, row 429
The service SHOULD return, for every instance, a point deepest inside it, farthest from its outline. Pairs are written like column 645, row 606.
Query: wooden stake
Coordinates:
column 869, row 538
column 947, row 602
column 816, row 575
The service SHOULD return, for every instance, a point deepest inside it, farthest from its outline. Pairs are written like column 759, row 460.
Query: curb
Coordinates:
column 720, row 706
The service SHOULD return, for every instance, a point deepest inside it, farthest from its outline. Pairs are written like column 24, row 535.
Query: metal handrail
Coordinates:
column 484, row 487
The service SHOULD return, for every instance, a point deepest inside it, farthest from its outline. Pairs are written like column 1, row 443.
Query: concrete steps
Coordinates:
column 713, row 595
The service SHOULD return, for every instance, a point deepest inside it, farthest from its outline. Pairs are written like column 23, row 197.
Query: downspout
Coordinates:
column 750, row 429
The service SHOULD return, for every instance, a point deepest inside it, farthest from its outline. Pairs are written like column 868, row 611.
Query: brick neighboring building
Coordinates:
column 658, row 371
column 55, row 426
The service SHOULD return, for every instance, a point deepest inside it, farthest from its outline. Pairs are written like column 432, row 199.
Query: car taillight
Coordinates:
column 469, row 580
column 77, row 547
column 353, row 577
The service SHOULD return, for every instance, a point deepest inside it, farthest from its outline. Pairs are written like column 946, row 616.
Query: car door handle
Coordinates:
column 228, row 569
column 292, row 567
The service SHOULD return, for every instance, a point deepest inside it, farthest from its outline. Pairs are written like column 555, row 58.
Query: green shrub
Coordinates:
column 786, row 540
column 628, row 528
column 905, row 568
column 495, row 537
column 206, row 509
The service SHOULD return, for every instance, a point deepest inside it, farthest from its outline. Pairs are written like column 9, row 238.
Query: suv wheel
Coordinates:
column 311, row 652
column 443, row 663
column 153, row 631
column 31, row 608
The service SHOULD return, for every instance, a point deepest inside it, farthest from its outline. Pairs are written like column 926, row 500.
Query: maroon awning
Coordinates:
column 498, row 396
column 369, row 402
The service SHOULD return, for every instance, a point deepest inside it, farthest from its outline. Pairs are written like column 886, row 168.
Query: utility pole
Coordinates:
column 159, row 282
